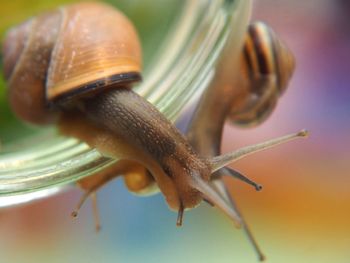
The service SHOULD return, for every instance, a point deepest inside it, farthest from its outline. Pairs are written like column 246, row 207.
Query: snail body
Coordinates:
column 74, row 67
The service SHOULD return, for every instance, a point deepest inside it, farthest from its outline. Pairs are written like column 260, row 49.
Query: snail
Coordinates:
column 74, row 68
column 266, row 66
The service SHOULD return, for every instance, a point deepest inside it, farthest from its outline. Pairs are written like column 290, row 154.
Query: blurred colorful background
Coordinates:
column 301, row 215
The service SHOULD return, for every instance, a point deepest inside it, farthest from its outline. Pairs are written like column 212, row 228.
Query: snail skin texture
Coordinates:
column 73, row 67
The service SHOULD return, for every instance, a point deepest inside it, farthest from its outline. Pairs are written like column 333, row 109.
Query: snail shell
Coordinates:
column 267, row 66
column 60, row 55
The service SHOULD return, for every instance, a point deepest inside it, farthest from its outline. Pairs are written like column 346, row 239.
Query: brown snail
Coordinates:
column 75, row 67
column 267, row 66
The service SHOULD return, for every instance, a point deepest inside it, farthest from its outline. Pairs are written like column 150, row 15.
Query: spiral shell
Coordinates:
column 66, row 54
column 267, row 66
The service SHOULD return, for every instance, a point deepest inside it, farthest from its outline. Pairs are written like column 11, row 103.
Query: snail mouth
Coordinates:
column 90, row 89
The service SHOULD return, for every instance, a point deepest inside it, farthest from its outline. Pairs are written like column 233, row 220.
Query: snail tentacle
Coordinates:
column 227, row 171
column 223, row 190
column 221, row 161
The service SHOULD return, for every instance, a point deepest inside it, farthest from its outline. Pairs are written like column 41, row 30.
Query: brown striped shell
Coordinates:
column 68, row 53
column 267, row 66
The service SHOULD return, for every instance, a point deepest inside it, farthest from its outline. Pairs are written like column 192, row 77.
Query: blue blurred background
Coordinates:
column 303, row 212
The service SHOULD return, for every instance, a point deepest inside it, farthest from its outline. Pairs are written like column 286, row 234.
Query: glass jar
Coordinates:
column 37, row 162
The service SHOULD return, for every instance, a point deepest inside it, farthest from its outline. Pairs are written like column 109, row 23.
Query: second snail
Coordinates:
column 75, row 69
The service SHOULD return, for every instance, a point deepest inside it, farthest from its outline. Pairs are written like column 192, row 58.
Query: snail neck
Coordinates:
column 166, row 153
